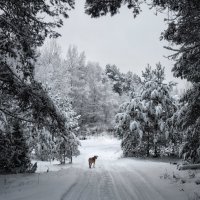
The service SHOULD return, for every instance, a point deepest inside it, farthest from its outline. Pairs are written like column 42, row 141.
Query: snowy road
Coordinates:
column 112, row 179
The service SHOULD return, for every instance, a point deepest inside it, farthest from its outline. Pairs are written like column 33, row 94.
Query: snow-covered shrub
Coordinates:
column 170, row 151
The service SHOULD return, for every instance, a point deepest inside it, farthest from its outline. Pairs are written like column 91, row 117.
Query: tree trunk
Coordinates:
column 147, row 144
column 71, row 156
column 155, row 150
column 71, row 160
column 64, row 154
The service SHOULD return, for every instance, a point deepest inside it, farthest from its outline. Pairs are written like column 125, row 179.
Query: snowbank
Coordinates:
column 45, row 166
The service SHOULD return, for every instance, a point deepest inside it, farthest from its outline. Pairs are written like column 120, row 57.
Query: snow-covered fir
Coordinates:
column 141, row 122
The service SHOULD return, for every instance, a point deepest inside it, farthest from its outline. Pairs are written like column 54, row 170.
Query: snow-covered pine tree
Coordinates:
column 129, row 127
column 184, row 31
column 160, row 105
column 66, row 143
column 15, row 155
column 18, row 61
column 172, row 130
column 141, row 122
column 188, row 123
column 45, row 147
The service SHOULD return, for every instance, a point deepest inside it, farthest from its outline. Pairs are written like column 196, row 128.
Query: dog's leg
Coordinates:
column 94, row 164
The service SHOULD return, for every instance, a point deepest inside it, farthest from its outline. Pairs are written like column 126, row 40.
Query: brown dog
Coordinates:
column 92, row 161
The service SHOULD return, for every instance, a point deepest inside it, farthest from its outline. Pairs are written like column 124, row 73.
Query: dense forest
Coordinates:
column 47, row 102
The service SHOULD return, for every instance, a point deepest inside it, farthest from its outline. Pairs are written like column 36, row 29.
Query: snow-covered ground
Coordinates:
column 44, row 166
column 113, row 178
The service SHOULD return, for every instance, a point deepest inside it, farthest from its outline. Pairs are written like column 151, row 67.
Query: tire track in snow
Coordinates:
column 122, row 188
column 84, row 187
column 68, row 191
column 132, row 185
column 106, row 191
column 89, row 188
column 148, row 187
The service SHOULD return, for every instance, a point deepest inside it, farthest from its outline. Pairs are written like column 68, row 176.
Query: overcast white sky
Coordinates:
column 121, row 40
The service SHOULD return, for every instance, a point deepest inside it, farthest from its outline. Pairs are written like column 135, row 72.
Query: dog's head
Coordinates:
column 95, row 157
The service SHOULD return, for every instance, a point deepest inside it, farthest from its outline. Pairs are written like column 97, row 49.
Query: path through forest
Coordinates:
column 111, row 179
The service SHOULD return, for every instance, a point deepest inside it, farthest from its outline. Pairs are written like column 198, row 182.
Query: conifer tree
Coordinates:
column 66, row 143
column 141, row 121
column 15, row 155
